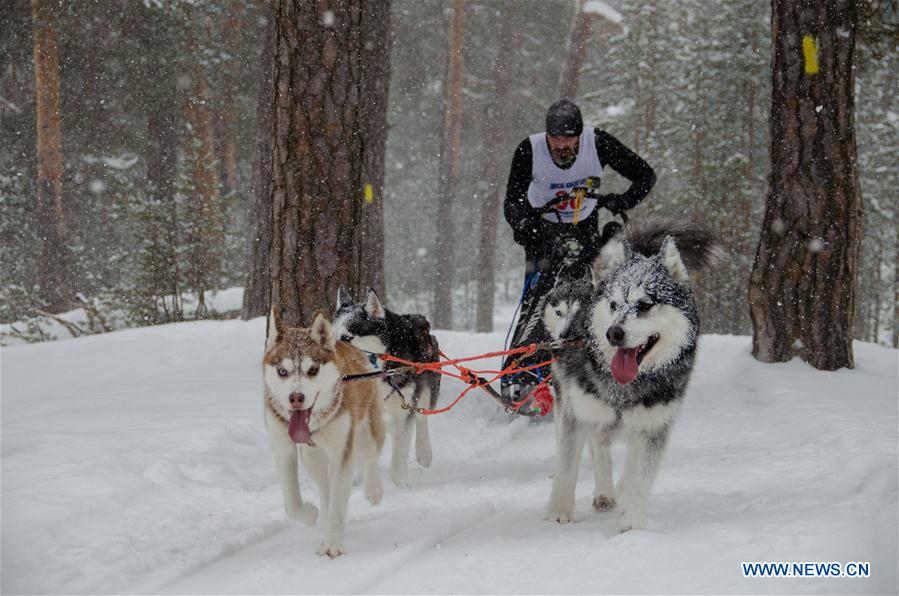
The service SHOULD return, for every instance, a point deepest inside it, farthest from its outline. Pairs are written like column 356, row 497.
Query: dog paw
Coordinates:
column 329, row 550
column 400, row 479
column 629, row 521
column 305, row 513
column 559, row 516
column 603, row 503
column 423, row 455
column 374, row 491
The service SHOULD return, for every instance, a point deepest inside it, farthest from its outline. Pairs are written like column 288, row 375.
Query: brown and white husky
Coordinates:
column 308, row 408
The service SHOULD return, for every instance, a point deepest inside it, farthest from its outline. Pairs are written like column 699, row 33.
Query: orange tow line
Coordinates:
column 541, row 396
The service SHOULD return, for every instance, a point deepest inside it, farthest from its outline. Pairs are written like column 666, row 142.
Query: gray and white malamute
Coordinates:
column 371, row 327
column 639, row 326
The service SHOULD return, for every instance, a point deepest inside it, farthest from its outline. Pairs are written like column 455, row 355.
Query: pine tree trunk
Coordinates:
column 801, row 291
column 226, row 115
column 578, row 37
column 449, row 166
column 257, row 290
column 162, row 130
column 652, row 101
column 489, row 208
column 896, row 278
column 316, row 191
column 53, row 278
column 376, row 44
column 205, row 229
column 744, row 244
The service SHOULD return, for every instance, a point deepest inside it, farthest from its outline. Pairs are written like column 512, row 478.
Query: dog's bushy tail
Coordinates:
column 699, row 247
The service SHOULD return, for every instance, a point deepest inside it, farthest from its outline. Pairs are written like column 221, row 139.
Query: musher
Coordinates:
column 552, row 203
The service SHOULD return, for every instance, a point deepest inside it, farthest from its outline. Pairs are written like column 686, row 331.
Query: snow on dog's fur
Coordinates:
column 309, row 408
column 371, row 327
column 640, row 325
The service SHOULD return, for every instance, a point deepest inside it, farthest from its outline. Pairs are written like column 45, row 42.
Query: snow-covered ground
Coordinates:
column 136, row 461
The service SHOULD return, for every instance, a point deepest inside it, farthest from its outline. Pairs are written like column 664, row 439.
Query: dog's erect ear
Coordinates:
column 320, row 330
column 612, row 255
column 373, row 307
column 275, row 327
column 670, row 257
column 344, row 298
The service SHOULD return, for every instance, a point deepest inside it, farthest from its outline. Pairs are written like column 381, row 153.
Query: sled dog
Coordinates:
column 371, row 327
column 639, row 325
column 308, row 408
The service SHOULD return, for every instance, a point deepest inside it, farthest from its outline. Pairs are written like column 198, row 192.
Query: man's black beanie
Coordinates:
column 563, row 119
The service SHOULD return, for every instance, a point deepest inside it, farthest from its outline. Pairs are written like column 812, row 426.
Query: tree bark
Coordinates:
column 896, row 278
column 578, row 37
column 226, row 115
column 508, row 44
column 376, row 44
column 205, row 229
column 53, row 278
column 162, row 130
column 744, row 243
column 449, row 166
column 801, row 292
column 651, row 105
column 315, row 195
column 257, row 290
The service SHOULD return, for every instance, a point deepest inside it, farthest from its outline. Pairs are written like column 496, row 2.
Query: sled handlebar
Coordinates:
column 601, row 200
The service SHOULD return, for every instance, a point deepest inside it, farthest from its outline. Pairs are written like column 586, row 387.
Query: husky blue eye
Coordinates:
column 558, row 312
column 282, row 372
column 644, row 306
column 346, row 337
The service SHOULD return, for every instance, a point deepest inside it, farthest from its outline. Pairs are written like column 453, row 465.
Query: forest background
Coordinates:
column 158, row 109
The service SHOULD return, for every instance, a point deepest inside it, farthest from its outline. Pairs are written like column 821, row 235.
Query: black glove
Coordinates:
column 528, row 233
column 614, row 203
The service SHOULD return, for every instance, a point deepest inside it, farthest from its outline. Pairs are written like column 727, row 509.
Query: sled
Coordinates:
column 568, row 260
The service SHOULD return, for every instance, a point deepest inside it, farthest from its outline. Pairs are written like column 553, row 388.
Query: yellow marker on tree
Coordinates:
column 810, row 51
column 369, row 194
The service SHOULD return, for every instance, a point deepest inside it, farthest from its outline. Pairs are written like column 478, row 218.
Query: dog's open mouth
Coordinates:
column 298, row 426
column 626, row 362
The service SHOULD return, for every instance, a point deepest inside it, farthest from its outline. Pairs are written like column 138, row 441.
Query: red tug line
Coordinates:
column 541, row 397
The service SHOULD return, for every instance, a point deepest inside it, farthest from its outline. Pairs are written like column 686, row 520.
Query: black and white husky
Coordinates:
column 371, row 327
column 639, row 326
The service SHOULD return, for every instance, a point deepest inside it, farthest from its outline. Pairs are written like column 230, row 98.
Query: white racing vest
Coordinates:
column 549, row 181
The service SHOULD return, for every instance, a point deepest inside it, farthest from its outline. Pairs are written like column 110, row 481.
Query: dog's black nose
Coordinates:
column 297, row 399
column 615, row 335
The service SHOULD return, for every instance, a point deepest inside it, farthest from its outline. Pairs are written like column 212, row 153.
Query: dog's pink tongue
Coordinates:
column 298, row 428
column 624, row 365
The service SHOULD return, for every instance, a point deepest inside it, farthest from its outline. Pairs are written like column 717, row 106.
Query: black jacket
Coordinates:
column 535, row 233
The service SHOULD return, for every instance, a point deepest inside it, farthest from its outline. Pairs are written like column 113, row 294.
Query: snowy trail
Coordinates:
column 137, row 462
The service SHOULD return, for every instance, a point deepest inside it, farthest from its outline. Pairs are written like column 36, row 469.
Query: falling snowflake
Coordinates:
column 328, row 18
column 815, row 245
column 97, row 186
